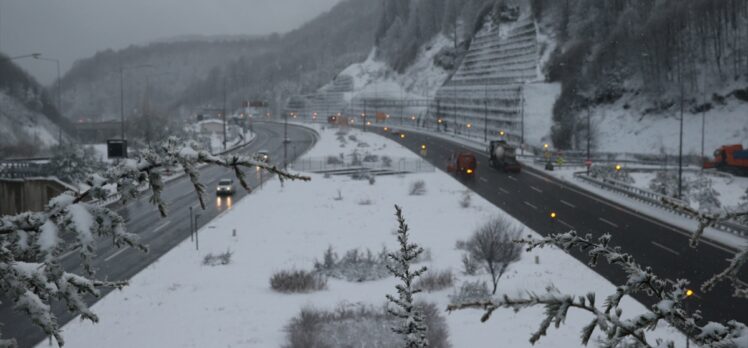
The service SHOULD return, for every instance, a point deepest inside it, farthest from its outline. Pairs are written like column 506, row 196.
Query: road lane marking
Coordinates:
column 536, row 189
column 568, row 204
column 483, row 179
column 530, row 205
column 608, row 222
column 115, row 254
column 502, row 190
column 631, row 211
column 71, row 252
column 565, row 224
column 512, row 178
column 665, row 248
column 166, row 223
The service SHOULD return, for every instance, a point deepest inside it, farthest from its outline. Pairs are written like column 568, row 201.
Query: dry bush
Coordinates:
column 359, row 326
column 297, row 281
column 417, row 188
column 435, row 280
column 471, row 292
column 218, row 259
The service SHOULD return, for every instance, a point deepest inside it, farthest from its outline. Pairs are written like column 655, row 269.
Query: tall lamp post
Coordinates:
column 122, row 70
column 59, row 94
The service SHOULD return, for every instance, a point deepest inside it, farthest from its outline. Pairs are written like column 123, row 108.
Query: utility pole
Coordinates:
column 224, row 113
column 589, row 136
column 454, row 102
column 680, row 138
column 364, row 115
column 285, row 140
column 522, row 119
column 122, row 101
column 485, row 112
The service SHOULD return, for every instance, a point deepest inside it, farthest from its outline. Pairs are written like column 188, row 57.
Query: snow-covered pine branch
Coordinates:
column 412, row 325
column 737, row 262
column 669, row 295
column 31, row 242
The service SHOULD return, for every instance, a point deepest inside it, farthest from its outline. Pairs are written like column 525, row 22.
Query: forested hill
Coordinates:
column 182, row 75
column 29, row 120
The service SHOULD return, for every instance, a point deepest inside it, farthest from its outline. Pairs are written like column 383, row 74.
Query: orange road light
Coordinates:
column 402, row 136
column 423, row 147
column 502, row 133
column 618, row 167
column 469, row 171
column 689, row 293
column 553, row 215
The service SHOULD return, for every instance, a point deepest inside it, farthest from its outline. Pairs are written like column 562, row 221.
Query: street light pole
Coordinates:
column 485, row 112
column 224, row 113
column 680, row 142
column 122, row 94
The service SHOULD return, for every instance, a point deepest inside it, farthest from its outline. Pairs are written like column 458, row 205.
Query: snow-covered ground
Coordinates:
column 621, row 130
column 178, row 302
column 730, row 188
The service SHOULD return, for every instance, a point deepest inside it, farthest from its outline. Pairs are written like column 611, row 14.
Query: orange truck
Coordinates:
column 463, row 164
column 730, row 158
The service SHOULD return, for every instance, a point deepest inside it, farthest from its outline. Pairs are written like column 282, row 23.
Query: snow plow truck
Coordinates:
column 730, row 158
column 503, row 156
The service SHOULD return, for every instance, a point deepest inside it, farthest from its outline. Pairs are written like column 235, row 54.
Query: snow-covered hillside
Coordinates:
column 22, row 127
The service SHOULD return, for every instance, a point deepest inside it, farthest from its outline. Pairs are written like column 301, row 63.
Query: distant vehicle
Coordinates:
column 463, row 164
column 730, row 158
column 503, row 156
column 262, row 155
column 225, row 187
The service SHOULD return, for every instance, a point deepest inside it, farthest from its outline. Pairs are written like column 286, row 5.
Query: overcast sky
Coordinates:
column 74, row 29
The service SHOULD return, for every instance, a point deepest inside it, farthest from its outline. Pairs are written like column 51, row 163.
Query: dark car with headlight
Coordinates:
column 225, row 187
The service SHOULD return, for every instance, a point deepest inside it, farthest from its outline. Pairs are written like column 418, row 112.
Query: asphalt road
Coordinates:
column 532, row 195
column 161, row 234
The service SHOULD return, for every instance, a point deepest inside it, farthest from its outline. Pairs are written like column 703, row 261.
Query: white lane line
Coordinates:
column 608, row 222
column 665, row 248
column 71, row 252
column 536, row 189
column 115, row 254
column 166, row 223
column 530, row 205
column 568, row 204
column 565, row 224
column 512, row 178
column 632, row 212
column 502, row 190
column 483, row 179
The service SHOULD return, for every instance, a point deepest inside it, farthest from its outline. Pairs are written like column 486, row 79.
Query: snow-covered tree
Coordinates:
column 31, row 243
column 412, row 325
column 72, row 163
column 703, row 193
column 665, row 183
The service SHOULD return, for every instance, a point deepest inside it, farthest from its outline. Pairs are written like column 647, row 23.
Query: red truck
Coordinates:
column 730, row 158
column 463, row 164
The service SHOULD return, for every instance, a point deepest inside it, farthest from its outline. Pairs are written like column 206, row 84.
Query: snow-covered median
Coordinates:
column 180, row 302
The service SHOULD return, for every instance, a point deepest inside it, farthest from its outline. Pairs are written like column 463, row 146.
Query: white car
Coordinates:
column 263, row 155
column 225, row 187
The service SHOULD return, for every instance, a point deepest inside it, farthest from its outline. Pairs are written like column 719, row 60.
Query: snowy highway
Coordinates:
column 162, row 234
column 532, row 195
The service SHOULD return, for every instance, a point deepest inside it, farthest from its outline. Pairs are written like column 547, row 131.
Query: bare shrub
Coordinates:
column 417, row 188
column 334, row 160
column 355, row 265
column 471, row 292
column 218, row 259
column 358, row 326
column 297, row 281
column 364, row 202
column 465, row 201
column 387, row 161
column 493, row 246
column 353, row 138
column 435, row 280
column 371, row 158
column 469, row 265
column 339, row 197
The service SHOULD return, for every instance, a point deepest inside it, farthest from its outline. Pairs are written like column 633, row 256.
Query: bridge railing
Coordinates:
column 332, row 163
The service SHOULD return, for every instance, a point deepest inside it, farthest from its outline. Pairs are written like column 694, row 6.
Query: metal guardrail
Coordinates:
column 655, row 199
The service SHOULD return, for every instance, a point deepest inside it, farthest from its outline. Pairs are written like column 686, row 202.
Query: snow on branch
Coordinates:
column 412, row 323
column 705, row 219
column 607, row 317
column 31, row 243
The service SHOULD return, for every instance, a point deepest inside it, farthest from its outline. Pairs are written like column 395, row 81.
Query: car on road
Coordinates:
column 263, row 155
column 225, row 187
